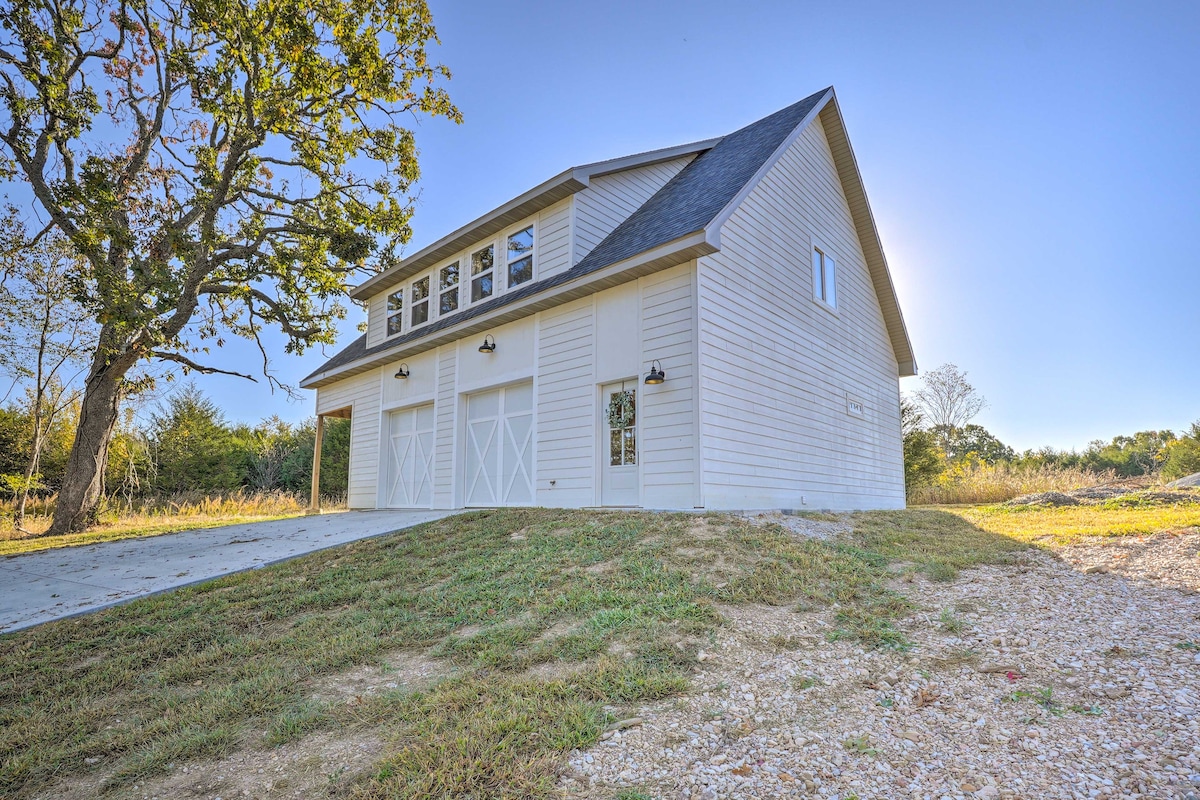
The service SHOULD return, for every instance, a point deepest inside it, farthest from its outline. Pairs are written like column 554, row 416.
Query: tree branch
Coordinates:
column 188, row 364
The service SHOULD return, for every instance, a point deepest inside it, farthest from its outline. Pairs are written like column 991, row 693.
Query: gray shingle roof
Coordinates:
column 694, row 197
column 686, row 204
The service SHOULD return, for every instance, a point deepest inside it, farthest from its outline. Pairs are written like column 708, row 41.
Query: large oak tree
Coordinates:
column 220, row 165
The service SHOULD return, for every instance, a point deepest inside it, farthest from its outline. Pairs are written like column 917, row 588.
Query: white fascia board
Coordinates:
column 612, row 165
column 713, row 231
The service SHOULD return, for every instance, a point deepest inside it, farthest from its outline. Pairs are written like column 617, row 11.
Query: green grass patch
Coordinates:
column 619, row 601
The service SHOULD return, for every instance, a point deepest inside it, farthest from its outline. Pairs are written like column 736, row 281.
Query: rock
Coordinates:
column 717, row 760
column 999, row 668
column 912, row 736
column 1186, row 481
column 625, row 723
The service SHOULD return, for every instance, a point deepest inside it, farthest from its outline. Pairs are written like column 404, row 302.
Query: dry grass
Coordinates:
column 974, row 483
column 1068, row 524
column 150, row 517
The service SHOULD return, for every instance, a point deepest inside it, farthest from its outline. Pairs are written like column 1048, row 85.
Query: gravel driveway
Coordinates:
column 1074, row 675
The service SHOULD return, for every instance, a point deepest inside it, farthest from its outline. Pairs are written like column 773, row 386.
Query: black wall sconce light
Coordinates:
column 489, row 344
column 656, row 374
column 402, row 373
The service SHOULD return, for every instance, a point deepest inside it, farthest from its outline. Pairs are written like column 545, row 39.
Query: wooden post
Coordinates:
column 314, row 502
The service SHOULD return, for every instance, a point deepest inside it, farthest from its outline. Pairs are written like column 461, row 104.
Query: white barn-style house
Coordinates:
column 705, row 326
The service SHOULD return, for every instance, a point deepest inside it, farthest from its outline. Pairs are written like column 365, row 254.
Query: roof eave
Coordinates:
column 868, row 235
column 539, row 197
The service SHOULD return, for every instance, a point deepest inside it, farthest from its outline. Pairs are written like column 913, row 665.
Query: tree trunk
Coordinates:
column 83, row 481
column 30, row 471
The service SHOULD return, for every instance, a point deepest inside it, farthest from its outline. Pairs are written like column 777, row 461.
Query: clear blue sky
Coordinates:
column 1034, row 173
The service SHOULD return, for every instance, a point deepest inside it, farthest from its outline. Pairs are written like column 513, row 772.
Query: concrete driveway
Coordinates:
column 51, row 584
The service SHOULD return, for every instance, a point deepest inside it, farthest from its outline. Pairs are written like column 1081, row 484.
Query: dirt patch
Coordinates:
column 702, row 530
column 815, row 526
column 319, row 765
column 602, row 567
column 402, row 669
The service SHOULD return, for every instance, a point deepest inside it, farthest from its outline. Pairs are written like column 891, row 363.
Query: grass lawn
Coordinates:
column 1072, row 524
column 617, row 604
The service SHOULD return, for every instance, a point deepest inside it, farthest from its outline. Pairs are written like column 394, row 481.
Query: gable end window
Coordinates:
column 482, row 273
column 824, row 277
column 395, row 312
column 420, row 301
column 448, row 289
column 520, row 257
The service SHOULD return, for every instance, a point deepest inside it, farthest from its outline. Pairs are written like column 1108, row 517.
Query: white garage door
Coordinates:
column 499, row 458
column 410, row 458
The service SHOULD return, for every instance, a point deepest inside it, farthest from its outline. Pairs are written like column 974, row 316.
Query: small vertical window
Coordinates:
column 395, row 312
column 520, row 257
column 420, row 301
column 482, row 272
column 824, row 277
column 448, row 289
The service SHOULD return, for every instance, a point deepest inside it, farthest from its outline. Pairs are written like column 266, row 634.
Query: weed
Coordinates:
column 781, row 642
column 886, row 702
column 803, row 682
column 1043, row 697
column 860, row 745
column 1089, row 711
column 950, row 623
column 296, row 720
column 632, row 794
column 1192, row 646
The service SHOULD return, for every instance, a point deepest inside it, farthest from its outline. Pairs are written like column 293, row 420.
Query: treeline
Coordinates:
column 947, row 458
column 184, row 445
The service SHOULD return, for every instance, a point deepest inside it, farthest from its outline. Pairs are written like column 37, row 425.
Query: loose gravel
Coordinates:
column 1039, row 679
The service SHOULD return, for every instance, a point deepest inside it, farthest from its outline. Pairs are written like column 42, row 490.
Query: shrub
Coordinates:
column 1182, row 456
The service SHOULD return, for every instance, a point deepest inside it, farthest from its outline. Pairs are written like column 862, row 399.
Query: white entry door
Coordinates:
column 618, row 447
column 410, row 458
column 499, row 458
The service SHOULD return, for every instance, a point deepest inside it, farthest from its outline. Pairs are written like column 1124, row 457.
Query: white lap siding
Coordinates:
column 610, row 199
column 668, row 447
column 361, row 394
column 778, row 368
column 566, row 406
column 553, row 247
column 446, row 409
column 569, row 351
